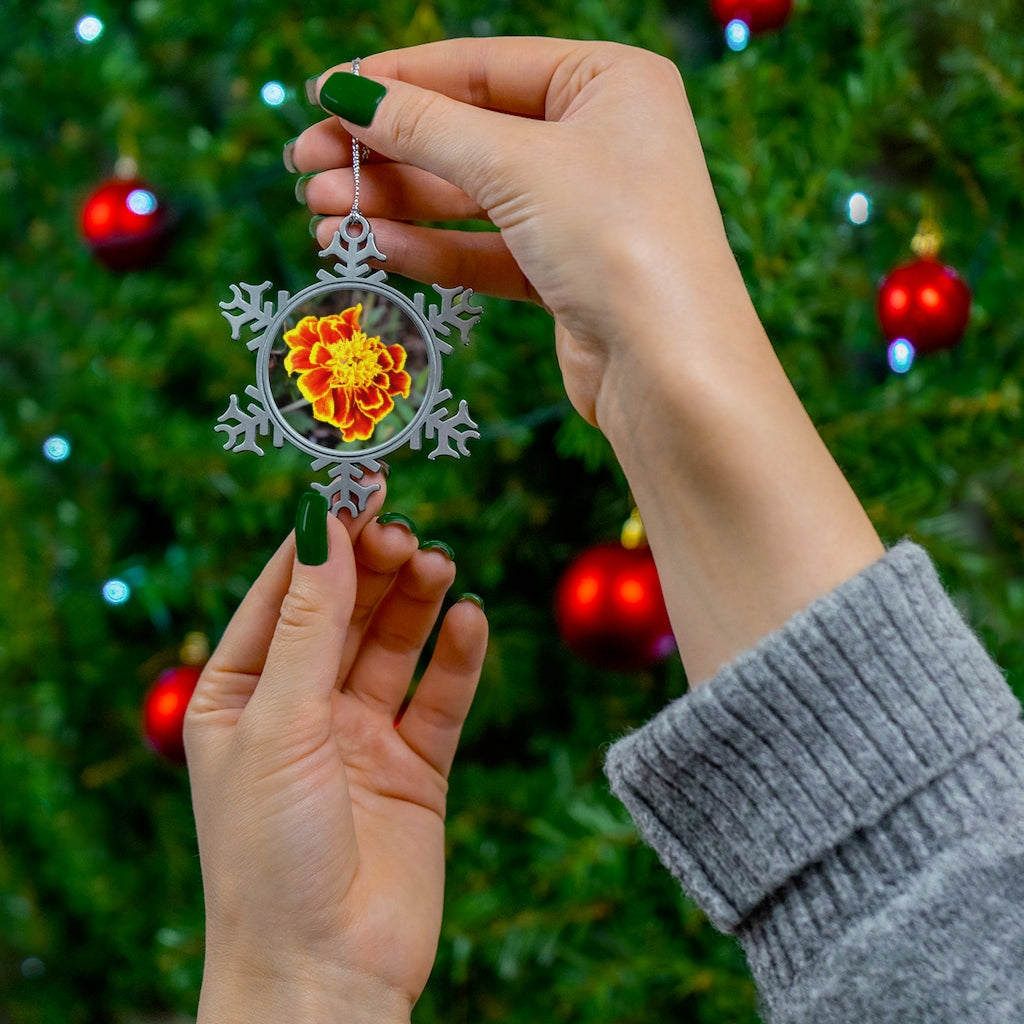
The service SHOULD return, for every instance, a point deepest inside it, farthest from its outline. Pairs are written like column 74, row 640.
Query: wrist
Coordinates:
column 313, row 994
column 749, row 517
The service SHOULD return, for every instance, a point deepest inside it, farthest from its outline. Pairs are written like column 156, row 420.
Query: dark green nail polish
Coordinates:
column 397, row 517
column 438, row 545
column 300, row 187
column 287, row 156
column 310, row 89
column 314, row 223
column 311, row 529
column 352, row 97
column 473, row 599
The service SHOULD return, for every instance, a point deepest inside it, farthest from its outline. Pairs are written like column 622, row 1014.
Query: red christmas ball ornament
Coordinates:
column 124, row 224
column 163, row 711
column 757, row 15
column 925, row 302
column 611, row 611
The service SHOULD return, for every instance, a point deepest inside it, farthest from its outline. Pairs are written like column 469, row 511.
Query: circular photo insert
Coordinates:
column 349, row 370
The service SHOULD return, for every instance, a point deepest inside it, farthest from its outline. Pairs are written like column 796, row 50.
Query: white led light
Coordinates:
column 89, row 28
column 737, row 34
column 273, row 94
column 56, row 448
column 901, row 355
column 858, row 208
column 141, row 201
column 116, row 591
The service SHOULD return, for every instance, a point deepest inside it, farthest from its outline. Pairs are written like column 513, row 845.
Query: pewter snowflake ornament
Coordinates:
column 349, row 369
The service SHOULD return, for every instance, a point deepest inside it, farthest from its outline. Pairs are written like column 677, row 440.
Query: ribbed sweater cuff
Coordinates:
column 867, row 697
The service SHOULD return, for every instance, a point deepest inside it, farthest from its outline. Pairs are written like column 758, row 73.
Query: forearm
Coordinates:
column 748, row 515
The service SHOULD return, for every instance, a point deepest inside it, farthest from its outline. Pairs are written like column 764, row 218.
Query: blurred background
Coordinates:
column 844, row 139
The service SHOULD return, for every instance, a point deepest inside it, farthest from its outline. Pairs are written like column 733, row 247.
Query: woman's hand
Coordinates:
column 320, row 818
column 584, row 155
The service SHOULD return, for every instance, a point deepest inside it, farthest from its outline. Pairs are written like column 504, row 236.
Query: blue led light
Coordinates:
column 273, row 94
column 56, row 448
column 901, row 355
column 116, row 591
column 141, row 201
column 737, row 35
column 89, row 28
column 858, row 208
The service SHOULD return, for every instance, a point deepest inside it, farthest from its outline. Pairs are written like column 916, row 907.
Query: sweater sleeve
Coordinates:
column 848, row 799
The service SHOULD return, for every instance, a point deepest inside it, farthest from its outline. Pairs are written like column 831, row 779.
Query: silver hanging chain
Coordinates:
column 356, row 147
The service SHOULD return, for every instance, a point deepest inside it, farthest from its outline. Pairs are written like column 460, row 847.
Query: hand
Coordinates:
column 584, row 155
column 586, row 158
column 320, row 820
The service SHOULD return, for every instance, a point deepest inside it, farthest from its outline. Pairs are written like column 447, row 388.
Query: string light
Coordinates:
column 141, row 201
column 89, row 28
column 273, row 94
column 858, row 208
column 56, row 448
column 116, row 591
column 901, row 355
column 737, row 35
column 32, row 968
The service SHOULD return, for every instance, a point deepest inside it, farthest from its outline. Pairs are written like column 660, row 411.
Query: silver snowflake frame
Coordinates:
column 353, row 247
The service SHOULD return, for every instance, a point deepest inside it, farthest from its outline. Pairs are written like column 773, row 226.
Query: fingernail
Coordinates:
column 314, row 223
column 438, row 545
column 473, row 599
column 385, row 468
column 311, row 529
column 300, row 187
column 352, row 97
column 311, row 89
column 287, row 156
column 397, row 517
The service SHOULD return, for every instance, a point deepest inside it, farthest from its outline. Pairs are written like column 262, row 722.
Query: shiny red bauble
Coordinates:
column 124, row 224
column 925, row 302
column 163, row 711
column 757, row 15
column 611, row 611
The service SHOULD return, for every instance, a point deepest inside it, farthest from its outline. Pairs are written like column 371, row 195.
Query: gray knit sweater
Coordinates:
column 848, row 800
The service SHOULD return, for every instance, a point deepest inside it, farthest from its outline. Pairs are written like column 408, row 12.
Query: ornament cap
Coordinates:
column 633, row 534
column 927, row 242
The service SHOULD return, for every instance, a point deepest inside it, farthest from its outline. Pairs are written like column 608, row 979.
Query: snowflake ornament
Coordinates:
column 349, row 369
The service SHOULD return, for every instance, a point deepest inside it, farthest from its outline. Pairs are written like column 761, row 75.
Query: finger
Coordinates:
column 230, row 675
column 292, row 618
column 399, row 630
column 234, row 668
column 505, row 74
column 433, row 721
column 382, row 549
column 470, row 259
column 396, row 191
column 446, row 137
column 302, row 661
column 322, row 145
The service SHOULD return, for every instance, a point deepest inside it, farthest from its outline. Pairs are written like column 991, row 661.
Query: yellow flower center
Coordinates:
column 355, row 363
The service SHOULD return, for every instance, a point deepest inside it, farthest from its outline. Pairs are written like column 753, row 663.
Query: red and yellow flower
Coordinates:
column 350, row 378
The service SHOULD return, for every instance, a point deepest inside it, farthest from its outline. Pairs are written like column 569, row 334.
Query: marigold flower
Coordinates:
column 349, row 378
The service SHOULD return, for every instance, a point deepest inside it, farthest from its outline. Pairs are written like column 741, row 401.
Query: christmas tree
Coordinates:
column 833, row 141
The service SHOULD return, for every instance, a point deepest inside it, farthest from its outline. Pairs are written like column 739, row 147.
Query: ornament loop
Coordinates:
column 357, row 220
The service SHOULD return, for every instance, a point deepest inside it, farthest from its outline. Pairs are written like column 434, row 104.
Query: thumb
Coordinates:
column 454, row 140
column 302, row 661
